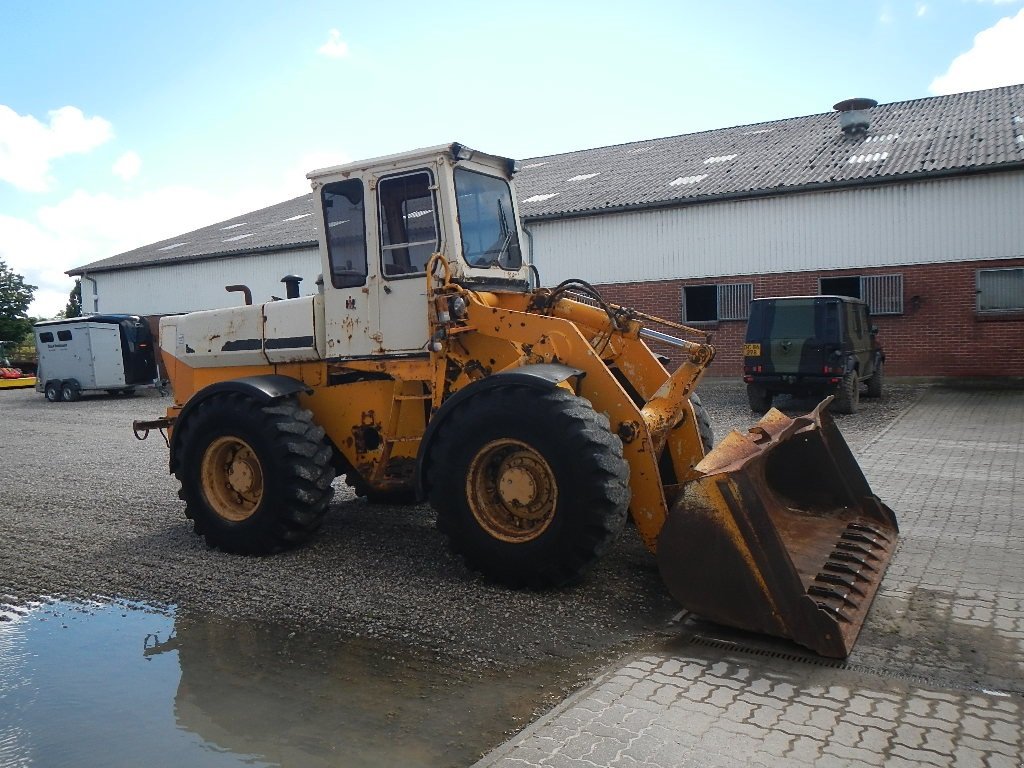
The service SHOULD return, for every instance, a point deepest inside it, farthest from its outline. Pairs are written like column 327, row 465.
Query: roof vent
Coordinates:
column 853, row 116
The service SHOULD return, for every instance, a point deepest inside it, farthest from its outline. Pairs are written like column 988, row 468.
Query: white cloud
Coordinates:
column 28, row 146
column 921, row 10
column 88, row 227
column 127, row 166
column 335, row 47
column 885, row 16
column 992, row 61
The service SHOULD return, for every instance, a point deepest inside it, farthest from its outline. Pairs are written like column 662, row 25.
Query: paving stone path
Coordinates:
column 937, row 677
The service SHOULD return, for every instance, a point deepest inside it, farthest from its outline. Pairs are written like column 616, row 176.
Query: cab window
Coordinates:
column 486, row 220
column 345, row 224
column 408, row 223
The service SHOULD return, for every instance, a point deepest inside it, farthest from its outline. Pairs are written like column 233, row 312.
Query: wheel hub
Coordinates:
column 241, row 475
column 511, row 490
column 232, row 478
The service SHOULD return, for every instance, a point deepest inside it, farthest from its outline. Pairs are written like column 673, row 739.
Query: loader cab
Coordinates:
column 381, row 221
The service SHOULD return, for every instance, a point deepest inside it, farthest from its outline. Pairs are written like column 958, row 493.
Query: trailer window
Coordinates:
column 64, row 335
column 408, row 223
column 345, row 225
column 46, row 337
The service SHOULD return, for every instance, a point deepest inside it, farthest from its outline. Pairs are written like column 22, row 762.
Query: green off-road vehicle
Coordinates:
column 811, row 345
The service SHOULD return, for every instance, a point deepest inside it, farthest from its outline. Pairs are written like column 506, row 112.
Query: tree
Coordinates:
column 15, row 296
column 74, row 307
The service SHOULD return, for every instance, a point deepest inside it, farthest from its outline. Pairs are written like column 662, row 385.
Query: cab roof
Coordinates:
column 455, row 151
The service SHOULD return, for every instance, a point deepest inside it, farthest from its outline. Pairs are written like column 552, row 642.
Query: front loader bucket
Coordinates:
column 781, row 535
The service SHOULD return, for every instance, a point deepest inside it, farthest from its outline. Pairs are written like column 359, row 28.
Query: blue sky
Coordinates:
column 122, row 123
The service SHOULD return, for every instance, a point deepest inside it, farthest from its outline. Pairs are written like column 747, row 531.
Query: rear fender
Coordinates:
column 263, row 389
column 543, row 376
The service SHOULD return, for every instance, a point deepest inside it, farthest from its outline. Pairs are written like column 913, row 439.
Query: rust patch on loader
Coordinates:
column 781, row 534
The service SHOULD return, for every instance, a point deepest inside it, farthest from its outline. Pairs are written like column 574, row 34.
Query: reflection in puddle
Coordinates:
column 129, row 685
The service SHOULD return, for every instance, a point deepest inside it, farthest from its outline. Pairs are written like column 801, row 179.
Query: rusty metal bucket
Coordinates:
column 781, row 535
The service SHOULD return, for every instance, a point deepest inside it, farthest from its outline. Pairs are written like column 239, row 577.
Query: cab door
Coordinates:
column 409, row 232
column 350, row 291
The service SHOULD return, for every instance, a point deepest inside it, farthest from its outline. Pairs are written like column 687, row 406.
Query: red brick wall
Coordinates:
column 938, row 334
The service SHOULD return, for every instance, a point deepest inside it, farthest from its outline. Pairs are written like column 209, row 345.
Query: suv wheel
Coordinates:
column 848, row 396
column 760, row 399
column 875, row 382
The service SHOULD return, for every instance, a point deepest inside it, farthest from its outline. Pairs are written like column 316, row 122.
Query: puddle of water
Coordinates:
column 129, row 685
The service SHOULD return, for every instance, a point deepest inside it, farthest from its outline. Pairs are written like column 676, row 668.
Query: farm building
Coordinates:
column 916, row 207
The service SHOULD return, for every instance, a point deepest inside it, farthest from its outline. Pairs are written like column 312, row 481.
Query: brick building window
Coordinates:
column 724, row 301
column 1000, row 290
column 883, row 293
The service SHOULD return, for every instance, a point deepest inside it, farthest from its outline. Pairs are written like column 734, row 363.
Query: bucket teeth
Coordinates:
column 861, row 537
column 839, row 581
column 845, row 568
column 877, row 534
column 856, row 548
column 849, row 557
column 833, row 611
column 835, row 594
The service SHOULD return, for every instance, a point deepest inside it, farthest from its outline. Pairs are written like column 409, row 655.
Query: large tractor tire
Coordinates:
column 848, row 395
column 704, row 428
column 759, row 398
column 255, row 479
column 876, row 380
column 530, row 487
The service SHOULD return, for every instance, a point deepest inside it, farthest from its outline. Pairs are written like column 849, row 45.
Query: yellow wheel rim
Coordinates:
column 512, row 491
column 232, row 478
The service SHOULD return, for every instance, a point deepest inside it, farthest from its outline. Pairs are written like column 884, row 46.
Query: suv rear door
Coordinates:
column 794, row 335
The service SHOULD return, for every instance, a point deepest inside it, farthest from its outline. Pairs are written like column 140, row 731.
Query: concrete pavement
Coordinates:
column 937, row 677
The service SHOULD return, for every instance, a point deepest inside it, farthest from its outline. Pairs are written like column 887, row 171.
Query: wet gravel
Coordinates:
column 87, row 511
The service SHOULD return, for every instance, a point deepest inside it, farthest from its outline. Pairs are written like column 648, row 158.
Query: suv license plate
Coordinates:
column 751, row 350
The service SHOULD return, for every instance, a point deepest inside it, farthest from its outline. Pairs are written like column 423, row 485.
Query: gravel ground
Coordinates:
column 88, row 512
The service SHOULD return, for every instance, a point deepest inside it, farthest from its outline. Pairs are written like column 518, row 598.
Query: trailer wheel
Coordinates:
column 530, row 487
column 255, row 479
column 52, row 391
column 70, row 391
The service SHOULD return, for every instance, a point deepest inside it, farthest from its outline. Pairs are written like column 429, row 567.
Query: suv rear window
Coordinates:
column 794, row 319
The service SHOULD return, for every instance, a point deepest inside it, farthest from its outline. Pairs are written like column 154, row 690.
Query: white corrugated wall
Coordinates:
column 957, row 219
column 189, row 286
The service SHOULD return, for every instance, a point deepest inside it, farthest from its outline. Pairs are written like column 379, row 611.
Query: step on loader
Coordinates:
column 430, row 364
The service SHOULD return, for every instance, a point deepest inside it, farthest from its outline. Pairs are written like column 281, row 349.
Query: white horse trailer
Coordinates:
column 95, row 353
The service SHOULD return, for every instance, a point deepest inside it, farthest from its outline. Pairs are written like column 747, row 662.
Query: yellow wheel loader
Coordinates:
column 431, row 364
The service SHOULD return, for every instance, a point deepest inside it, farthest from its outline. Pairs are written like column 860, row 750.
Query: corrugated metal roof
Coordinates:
column 283, row 226
column 960, row 133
